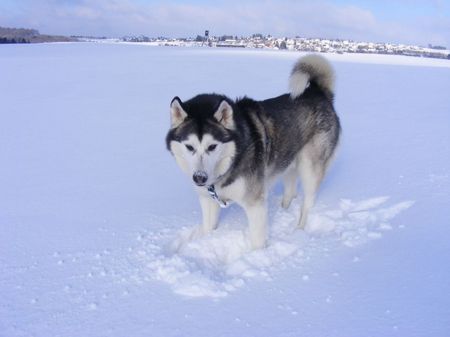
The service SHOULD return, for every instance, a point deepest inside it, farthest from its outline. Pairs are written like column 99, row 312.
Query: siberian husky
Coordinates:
column 234, row 149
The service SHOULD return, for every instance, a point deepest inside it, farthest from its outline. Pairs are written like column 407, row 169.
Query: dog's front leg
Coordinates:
column 257, row 221
column 210, row 210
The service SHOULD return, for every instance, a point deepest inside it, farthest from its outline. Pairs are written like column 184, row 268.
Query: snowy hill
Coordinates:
column 97, row 223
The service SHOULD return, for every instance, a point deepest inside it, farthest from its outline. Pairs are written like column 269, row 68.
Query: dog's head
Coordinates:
column 201, row 137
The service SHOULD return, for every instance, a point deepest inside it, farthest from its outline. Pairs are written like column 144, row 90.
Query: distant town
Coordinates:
column 320, row 45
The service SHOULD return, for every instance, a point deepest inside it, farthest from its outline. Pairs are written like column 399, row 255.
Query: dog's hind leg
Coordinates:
column 312, row 167
column 311, row 178
column 290, row 186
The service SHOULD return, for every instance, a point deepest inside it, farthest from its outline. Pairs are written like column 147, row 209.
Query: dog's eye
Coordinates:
column 212, row 147
column 189, row 147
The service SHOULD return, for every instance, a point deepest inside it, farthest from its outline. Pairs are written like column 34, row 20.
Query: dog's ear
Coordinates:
column 177, row 113
column 224, row 115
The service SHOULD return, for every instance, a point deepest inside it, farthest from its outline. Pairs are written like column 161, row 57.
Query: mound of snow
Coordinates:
column 221, row 262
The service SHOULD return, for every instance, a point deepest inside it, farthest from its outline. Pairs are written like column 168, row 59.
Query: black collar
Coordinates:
column 212, row 192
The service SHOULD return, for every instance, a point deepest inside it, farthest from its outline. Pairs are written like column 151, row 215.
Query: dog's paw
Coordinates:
column 185, row 236
column 302, row 222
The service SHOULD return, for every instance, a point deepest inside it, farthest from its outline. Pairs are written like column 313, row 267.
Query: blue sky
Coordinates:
column 398, row 21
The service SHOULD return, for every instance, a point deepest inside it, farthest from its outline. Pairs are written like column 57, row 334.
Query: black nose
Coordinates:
column 200, row 178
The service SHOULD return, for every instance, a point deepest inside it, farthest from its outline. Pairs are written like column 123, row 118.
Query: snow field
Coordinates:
column 98, row 224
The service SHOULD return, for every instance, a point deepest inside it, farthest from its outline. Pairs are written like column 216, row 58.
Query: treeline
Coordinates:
column 13, row 40
column 17, row 35
column 23, row 35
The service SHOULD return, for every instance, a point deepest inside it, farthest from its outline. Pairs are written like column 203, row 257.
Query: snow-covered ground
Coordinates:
column 97, row 223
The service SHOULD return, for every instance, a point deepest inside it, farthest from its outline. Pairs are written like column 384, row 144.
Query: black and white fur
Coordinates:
column 240, row 147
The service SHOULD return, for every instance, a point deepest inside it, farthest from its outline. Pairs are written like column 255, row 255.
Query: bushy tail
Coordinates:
column 311, row 68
